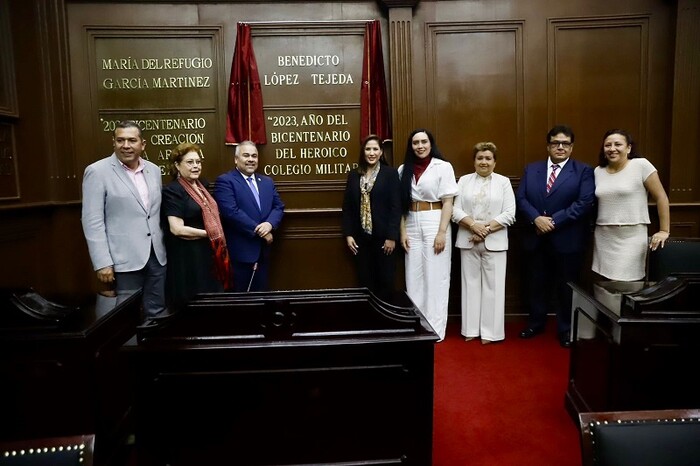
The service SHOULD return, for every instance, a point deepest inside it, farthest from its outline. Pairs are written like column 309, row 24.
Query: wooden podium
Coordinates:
column 61, row 369
column 636, row 346
column 317, row 377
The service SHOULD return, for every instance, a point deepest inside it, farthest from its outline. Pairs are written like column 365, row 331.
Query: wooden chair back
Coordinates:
column 679, row 255
column 54, row 451
column 668, row 437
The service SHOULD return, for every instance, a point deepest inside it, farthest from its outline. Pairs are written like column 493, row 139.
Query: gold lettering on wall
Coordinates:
column 311, row 91
column 156, row 82
column 179, row 63
column 166, row 81
column 171, row 82
column 318, row 144
column 163, row 133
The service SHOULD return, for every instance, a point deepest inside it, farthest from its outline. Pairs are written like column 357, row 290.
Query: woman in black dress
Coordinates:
column 197, row 256
column 372, row 217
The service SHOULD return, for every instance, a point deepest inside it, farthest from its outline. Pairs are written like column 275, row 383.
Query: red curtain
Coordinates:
column 374, row 103
column 244, row 119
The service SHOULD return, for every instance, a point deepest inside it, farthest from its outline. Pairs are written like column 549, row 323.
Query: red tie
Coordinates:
column 552, row 177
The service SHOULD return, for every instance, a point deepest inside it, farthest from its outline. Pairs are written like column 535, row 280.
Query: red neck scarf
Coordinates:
column 215, row 232
column 420, row 166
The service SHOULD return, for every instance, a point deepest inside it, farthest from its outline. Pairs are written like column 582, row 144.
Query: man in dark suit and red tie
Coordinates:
column 555, row 199
column 251, row 210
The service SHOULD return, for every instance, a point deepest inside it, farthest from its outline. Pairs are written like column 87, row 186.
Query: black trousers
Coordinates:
column 375, row 269
column 548, row 274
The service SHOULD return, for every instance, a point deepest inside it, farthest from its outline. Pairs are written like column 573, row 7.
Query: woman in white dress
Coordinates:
column 624, row 180
column 428, row 186
column 484, row 208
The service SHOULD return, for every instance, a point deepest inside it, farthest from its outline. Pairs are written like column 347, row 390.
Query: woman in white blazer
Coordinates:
column 483, row 208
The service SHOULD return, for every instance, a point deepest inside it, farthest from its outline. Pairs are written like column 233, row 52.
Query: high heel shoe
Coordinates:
column 469, row 338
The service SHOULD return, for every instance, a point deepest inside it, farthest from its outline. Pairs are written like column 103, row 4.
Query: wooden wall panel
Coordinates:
column 9, row 182
column 34, row 164
column 127, row 78
column 42, row 248
column 20, row 245
column 8, row 91
column 593, row 86
column 306, row 102
column 475, row 72
column 470, row 70
column 310, row 253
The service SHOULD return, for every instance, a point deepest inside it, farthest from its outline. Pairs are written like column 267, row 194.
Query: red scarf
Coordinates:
column 215, row 232
column 420, row 165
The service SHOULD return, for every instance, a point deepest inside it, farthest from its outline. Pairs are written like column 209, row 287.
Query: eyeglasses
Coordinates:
column 563, row 144
column 192, row 163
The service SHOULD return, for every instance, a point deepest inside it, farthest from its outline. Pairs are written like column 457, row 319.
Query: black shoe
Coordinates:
column 163, row 316
column 565, row 340
column 530, row 332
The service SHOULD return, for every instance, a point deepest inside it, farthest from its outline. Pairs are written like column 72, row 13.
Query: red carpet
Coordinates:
column 502, row 404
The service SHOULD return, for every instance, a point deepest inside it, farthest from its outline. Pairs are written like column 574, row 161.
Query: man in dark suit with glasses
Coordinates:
column 554, row 200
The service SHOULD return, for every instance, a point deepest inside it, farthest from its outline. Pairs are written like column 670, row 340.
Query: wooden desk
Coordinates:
column 69, row 378
column 636, row 347
column 309, row 377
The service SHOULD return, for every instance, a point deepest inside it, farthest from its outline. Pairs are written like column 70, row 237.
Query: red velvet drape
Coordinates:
column 374, row 103
column 244, row 119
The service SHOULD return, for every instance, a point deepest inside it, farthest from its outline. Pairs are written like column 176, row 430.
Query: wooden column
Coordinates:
column 685, row 138
column 401, row 70
column 57, row 119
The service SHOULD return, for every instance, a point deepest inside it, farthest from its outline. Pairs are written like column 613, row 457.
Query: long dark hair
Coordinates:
column 362, row 162
column 409, row 162
column 603, row 160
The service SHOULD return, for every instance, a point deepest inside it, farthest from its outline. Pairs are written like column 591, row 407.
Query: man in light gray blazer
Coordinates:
column 121, row 219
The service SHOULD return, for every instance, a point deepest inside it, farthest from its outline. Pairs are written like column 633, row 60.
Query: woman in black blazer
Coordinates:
column 372, row 217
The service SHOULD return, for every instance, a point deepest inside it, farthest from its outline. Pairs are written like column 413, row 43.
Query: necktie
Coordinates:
column 552, row 177
column 254, row 189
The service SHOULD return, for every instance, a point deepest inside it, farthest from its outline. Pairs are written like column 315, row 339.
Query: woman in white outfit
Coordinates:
column 484, row 209
column 623, row 183
column 428, row 187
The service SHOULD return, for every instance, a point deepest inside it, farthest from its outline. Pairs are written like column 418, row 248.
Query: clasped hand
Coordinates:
column 480, row 229
column 264, row 230
column 544, row 224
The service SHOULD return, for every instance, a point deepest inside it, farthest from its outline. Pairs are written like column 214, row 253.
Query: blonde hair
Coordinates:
column 482, row 146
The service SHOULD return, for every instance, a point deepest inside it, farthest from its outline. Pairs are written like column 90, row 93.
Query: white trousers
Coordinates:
column 427, row 273
column 483, row 292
